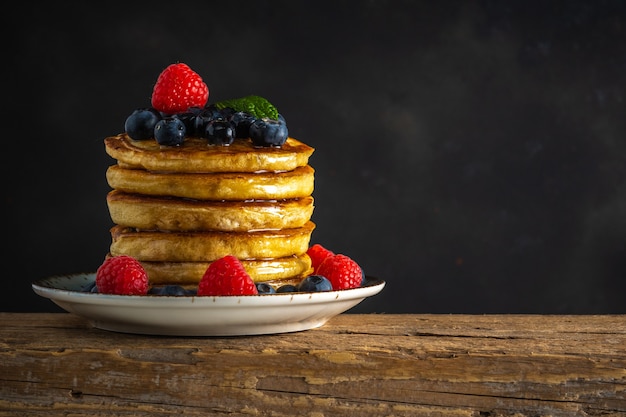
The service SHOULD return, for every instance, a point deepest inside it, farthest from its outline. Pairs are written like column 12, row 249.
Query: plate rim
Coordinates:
column 47, row 290
column 205, row 316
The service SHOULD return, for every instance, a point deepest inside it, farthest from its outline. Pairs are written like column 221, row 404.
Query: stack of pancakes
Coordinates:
column 177, row 209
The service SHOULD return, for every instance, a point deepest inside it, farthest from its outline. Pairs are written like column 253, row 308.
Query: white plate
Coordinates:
column 201, row 316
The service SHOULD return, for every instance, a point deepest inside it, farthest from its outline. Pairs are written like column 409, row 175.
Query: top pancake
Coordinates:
column 195, row 155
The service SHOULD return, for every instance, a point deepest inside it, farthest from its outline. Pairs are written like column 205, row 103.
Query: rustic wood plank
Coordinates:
column 373, row 364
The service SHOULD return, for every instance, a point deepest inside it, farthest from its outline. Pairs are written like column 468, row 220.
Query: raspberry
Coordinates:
column 121, row 275
column 318, row 253
column 177, row 89
column 226, row 276
column 341, row 271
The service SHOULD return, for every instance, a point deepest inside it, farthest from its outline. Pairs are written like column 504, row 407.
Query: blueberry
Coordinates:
column 167, row 290
column 140, row 124
column 206, row 115
column 226, row 113
column 242, row 121
column 264, row 288
column 170, row 131
column 268, row 132
column 190, row 118
column 91, row 287
column 220, row 132
column 286, row 288
column 315, row 283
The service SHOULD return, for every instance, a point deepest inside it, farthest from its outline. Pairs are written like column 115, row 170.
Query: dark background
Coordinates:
column 470, row 153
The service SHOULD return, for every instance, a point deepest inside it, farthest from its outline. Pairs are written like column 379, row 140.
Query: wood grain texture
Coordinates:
column 357, row 365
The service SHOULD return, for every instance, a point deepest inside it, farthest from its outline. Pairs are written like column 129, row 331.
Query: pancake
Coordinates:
column 293, row 267
column 178, row 208
column 209, row 246
column 175, row 214
column 195, row 155
column 265, row 185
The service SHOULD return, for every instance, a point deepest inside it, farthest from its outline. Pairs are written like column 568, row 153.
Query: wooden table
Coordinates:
column 356, row 365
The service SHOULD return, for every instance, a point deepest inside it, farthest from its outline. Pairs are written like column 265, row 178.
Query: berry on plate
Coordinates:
column 315, row 283
column 226, row 276
column 178, row 88
column 265, row 288
column 122, row 275
column 318, row 253
column 341, row 271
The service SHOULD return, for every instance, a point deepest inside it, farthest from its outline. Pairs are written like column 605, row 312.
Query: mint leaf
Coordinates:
column 255, row 105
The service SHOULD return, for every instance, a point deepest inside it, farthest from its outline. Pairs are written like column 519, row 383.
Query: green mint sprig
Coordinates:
column 257, row 106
